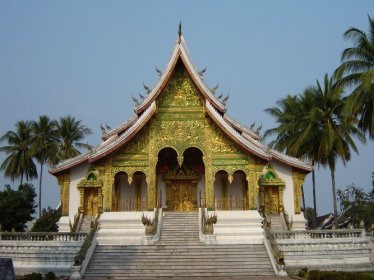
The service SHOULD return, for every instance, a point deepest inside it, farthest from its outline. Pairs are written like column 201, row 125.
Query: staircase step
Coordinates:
column 179, row 254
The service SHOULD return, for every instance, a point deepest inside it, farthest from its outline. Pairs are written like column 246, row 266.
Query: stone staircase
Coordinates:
column 277, row 223
column 179, row 255
column 86, row 224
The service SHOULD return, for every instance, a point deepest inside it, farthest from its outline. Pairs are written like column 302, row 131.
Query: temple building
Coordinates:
column 181, row 151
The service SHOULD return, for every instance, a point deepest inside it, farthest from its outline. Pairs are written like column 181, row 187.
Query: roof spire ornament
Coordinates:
column 102, row 129
column 201, row 73
column 159, row 72
column 147, row 88
column 180, row 32
column 136, row 101
column 259, row 129
column 225, row 99
column 213, row 90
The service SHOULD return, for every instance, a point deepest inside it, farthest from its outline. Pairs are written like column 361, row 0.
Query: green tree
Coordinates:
column 17, row 207
column 70, row 132
column 357, row 69
column 44, row 139
column 357, row 205
column 48, row 221
column 320, row 130
column 291, row 114
column 19, row 162
column 329, row 132
column 287, row 115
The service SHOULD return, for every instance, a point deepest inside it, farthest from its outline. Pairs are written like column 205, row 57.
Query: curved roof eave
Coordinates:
column 234, row 135
column 180, row 51
column 119, row 129
column 241, row 127
column 254, row 146
column 69, row 163
column 126, row 136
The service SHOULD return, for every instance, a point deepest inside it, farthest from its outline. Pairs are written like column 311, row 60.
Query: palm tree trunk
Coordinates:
column 332, row 170
column 40, row 190
column 21, row 181
column 314, row 198
column 303, row 197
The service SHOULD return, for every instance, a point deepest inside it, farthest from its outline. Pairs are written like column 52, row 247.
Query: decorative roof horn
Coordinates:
column 147, row 88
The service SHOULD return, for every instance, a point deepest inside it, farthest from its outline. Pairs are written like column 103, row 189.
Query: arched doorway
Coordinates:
column 180, row 179
column 230, row 195
column 129, row 196
column 271, row 191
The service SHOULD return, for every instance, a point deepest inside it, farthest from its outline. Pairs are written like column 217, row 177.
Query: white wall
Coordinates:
column 285, row 173
column 76, row 175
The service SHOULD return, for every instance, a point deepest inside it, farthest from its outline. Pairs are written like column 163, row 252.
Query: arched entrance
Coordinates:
column 181, row 179
column 91, row 196
column 129, row 196
column 231, row 195
column 271, row 192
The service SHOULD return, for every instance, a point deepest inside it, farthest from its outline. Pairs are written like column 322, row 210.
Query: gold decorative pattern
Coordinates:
column 298, row 179
column 64, row 183
column 180, row 92
column 181, row 195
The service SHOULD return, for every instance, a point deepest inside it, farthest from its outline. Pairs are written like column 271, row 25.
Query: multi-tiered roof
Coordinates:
column 215, row 107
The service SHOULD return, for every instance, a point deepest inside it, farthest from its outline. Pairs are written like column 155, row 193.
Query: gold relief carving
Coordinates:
column 126, row 163
column 64, row 183
column 229, row 162
column 179, row 133
column 271, row 200
column 108, row 185
column 220, row 142
column 181, row 195
column 180, row 92
column 297, row 179
column 209, row 183
column 139, row 144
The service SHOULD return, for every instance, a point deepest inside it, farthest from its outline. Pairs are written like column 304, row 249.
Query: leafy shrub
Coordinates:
column 50, row 276
column 338, row 275
column 33, row 276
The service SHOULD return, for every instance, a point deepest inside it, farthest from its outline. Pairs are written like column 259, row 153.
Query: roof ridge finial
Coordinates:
column 180, row 32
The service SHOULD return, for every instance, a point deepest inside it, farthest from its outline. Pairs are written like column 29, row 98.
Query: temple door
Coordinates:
column 182, row 195
column 271, row 200
column 90, row 202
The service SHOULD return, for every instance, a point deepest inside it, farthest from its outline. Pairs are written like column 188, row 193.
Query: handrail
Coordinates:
column 150, row 225
column 207, row 222
column 277, row 252
column 286, row 219
column 77, row 221
column 78, row 259
column 43, row 236
column 319, row 234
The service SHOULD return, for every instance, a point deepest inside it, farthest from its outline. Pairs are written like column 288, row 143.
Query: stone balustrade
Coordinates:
column 346, row 249
column 43, row 236
column 319, row 234
column 41, row 252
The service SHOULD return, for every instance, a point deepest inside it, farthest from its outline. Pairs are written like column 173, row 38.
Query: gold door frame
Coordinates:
column 181, row 195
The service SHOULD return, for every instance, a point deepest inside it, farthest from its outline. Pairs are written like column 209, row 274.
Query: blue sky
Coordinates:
column 86, row 58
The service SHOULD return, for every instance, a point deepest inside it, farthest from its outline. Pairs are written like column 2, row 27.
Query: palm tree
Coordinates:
column 287, row 114
column 44, row 139
column 357, row 70
column 70, row 132
column 291, row 117
column 19, row 162
column 329, row 131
